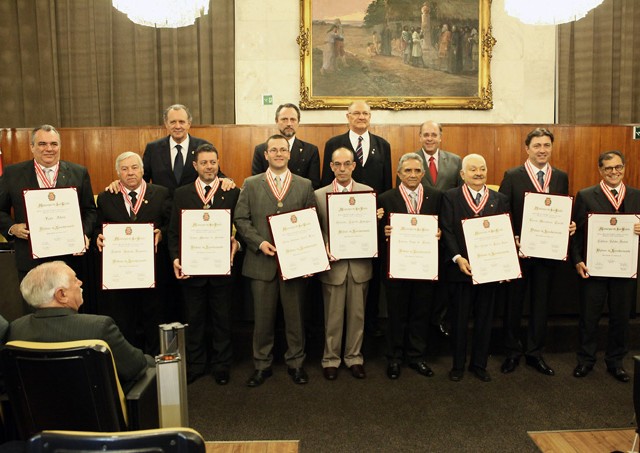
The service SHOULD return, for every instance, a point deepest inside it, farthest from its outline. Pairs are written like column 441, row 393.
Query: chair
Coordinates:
column 174, row 440
column 73, row 386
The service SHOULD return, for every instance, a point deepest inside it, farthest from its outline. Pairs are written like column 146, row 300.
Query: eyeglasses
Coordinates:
column 346, row 164
column 609, row 170
column 365, row 114
column 278, row 150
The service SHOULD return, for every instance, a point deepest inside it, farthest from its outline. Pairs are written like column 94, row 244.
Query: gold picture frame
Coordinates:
column 396, row 54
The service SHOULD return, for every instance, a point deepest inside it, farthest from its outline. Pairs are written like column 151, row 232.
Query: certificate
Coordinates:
column 205, row 241
column 128, row 256
column 491, row 248
column 299, row 244
column 545, row 226
column 353, row 225
column 54, row 222
column 413, row 246
column 612, row 246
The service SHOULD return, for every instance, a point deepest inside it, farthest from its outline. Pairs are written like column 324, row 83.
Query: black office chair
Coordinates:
column 73, row 386
column 166, row 440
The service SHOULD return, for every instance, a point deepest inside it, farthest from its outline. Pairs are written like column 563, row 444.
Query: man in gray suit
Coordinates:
column 275, row 191
column 345, row 285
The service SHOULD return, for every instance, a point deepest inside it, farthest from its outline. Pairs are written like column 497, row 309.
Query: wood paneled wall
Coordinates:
column 576, row 148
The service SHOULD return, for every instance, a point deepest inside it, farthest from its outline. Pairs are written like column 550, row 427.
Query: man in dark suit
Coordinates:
column 55, row 293
column 46, row 170
column 136, row 202
column 471, row 199
column 207, row 298
column 610, row 196
column 373, row 168
column 536, row 175
column 409, row 302
column 275, row 191
column 305, row 159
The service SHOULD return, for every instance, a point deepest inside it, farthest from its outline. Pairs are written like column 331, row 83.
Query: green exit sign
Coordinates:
column 636, row 132
column 267, row 99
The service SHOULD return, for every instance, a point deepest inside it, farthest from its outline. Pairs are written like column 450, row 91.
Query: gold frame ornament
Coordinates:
column 372, row 58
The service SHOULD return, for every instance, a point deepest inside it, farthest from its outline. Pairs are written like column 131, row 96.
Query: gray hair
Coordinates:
column 39, row 286
column 468, row 157
column 46, row 128
column 410, row 156
column 126, row 155
column 165, row 114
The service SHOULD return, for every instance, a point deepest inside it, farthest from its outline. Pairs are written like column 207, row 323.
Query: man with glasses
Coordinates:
column 611, row 195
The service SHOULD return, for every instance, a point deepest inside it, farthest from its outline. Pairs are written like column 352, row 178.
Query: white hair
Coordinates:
column 41, row 283
column 126, row 155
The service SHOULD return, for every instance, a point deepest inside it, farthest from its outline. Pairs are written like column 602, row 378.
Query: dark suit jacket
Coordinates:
column 255, row 203
column 65, row 324
column 304, row 161
column 593, row 200
column 376, row 172
column 516, row 182
column 21, row 176
column 454, row 210
column 449, row 166
column 158, row 166
column 186, row 197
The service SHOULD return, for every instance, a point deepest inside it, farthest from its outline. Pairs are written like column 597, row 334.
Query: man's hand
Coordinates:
column 582, row 270
column 267, row 249
column 100, row 242
column 636, row 228
column 439, row 234
column 572, row 228
column 114, row 187
column 227, row 184
column 235, row 246
column 387, row 230
column 157, row 237
column 464, row 266
column 177, row 270
column 19, row 230
column 331, row 257
column 86, row 246
column 380, row 213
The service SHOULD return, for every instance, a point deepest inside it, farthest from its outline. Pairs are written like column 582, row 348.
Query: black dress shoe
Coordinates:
column 357, row 371
column 581, row 370
column 330, row 373
column 193, row 377
column 258, row 377
column 393, row 371
column 422, row 368
column 540, row 366
column 509, row 365
column 299, row 375
column 443, row 330
column 456, row 375
column 619, row 373
column 221, row 377
column 480, row 373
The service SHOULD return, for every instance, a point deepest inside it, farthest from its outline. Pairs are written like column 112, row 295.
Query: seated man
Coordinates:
column 55, row 292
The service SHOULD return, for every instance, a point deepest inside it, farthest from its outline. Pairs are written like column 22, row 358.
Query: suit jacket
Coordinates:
column 516, row 182
column 449, row 166
column 158, row 165
column 65, row 324
column 361, row 269
column 376, row 172
column 186, row 197
column 255, row 203
column 592, row 199
column 304, row 161
column 21, row 176
column 454, row 210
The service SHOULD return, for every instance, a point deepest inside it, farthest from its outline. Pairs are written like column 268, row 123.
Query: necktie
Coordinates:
column 207, row 189
column 178, row 164
column 359, row 153
column 477, row 200
column 344, row 189
column 278, row 183
column 541, row 178
column 50, row 175
column 614, row 192
column 414, row 200
column 133, row 196
column 433, row 171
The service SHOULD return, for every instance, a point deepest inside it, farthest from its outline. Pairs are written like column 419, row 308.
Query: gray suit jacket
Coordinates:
column 255, row 203
column 449, row 166
column 360, row 268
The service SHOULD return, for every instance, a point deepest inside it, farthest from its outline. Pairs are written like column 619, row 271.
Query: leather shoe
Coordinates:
column 540, row 366
column 299, row 375
column 480, row 373
column 357, row 371
column 509, row 365
column 619, row 373
column 443, row 330
column 456, row 375
column 258, row 377
column 581, row 370
column 221, row 377
column 422, row 368
column 193, row 377
column 393, row 371
column 330, row 373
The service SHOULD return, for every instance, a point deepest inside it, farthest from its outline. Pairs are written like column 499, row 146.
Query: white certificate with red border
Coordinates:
column 612, row 246
column 352, row 224
column 491, row 248
column 128, row 256
column 299, row 243
column 545, row 226
column 413, row 246
column 205, row 241
column 54, row 222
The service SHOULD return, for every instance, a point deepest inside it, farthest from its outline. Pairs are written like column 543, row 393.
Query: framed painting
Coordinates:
column 396, row 54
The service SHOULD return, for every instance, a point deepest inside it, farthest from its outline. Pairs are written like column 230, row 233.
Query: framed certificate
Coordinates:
column 128, row 256
column 299, row 244
column 413, row 246
column 352, row 224
column 491, row 248
column 54, row 222
column 545, row 226
column 612, row 246
column 205, row 241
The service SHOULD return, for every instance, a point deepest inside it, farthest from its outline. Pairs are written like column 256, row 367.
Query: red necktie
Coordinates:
column 433, row 171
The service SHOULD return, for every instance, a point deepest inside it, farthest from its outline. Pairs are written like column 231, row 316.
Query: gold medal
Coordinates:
column 280, row 204
column 206, row 206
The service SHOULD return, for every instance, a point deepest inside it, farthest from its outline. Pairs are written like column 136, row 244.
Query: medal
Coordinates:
column 278, row 194
column 280, row 204
column 207, row 200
